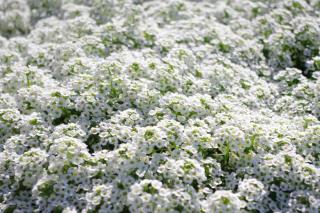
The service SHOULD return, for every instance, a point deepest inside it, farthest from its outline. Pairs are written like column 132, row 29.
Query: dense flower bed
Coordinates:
column 159, row 106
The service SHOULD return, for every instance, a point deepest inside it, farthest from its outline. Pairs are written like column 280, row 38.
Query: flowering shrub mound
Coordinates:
column 159, row 106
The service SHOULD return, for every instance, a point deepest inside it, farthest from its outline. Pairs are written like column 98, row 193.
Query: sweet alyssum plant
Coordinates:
column 159, row 106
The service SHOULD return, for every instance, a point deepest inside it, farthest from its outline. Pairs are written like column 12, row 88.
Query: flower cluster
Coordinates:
column 159, row 106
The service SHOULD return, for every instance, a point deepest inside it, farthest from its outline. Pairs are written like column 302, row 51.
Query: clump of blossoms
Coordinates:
column 159, row 106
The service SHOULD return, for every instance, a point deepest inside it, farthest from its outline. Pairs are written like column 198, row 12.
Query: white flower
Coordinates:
column 223, row 201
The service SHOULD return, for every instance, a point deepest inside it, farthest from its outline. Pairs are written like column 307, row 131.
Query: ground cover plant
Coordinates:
column 159, row 106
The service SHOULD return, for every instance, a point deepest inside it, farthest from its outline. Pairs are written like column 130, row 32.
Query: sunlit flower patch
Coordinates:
column 159, row 106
